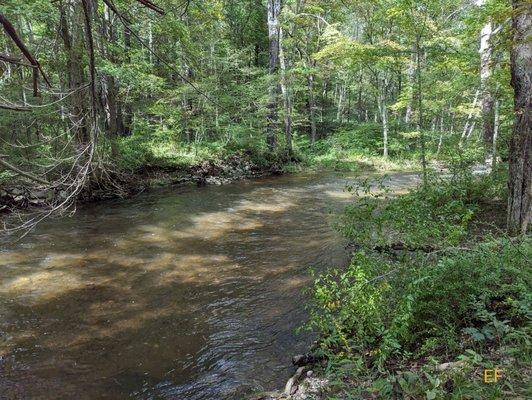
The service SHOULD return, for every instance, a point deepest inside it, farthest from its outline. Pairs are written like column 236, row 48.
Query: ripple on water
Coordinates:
column 191, row 295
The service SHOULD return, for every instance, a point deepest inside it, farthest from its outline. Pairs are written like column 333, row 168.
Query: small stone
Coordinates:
column 310, row 373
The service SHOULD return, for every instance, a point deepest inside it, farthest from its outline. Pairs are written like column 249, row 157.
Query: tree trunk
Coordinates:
column 486, row 101
column 188, row 108
column 384, row 117
column 411, row 76
column 520, row 166
column 126, row 113
column 287, row 102
column 440, row 140
column 274, row 9
column 340, row 106
column 73, row 39
column 420, row 110
column 468, row 121
column 495, row 135
column 312, row 108
column 110, row 86
column 150, row 43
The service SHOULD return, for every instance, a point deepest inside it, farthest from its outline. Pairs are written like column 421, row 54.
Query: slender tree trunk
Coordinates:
column 361, row 112
column 440, row 140
column 420, row 110
column 520, row 163
column 127, row 110
column 274, row 9
column 384, row 117
column 109, row 86
column 150, row 43
column 287, row 102
column 8, row 65
column 188, row 108
column 495, row 136
column 471, row 129
column 311, row 108
column 411, row 77
column 339, row 110
column 486, row 101
column 469, row 116
column 348, row 106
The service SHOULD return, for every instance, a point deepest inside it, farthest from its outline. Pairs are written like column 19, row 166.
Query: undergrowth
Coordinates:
column 424, row 321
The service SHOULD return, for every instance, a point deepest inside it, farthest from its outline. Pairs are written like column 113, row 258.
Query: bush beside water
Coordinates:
column 391, row 321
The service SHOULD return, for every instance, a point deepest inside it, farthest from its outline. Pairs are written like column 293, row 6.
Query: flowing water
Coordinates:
column 189, row 293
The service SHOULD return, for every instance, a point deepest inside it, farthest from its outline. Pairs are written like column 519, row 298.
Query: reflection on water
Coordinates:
column 189, row 295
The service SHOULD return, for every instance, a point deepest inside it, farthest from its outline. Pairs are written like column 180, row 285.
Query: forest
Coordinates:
column 157, row 150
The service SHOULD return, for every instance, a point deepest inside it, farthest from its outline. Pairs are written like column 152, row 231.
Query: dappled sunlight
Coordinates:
column 339, row 194
column 170, row 289
column 194, row 268
column 214, row 225
column 11, row 258
column 41, row 285
column 64, row 260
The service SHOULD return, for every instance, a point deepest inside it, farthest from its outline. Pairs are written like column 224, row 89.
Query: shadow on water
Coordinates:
column 189, row 295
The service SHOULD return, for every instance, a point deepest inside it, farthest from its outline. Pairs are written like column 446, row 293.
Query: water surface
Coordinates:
column 176, row 294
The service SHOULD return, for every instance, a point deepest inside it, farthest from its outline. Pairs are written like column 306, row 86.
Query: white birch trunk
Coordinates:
column 486, row 101
column 384, row 118
column 287, row 103
column 469, row 116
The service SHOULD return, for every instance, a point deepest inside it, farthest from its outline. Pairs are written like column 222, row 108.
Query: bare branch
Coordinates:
column 151, row 6
column 14, row 60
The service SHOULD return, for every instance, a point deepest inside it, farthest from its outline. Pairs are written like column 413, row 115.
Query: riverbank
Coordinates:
column 429, row 303
column 18, row 194
column 142, row 162
column 24, row 195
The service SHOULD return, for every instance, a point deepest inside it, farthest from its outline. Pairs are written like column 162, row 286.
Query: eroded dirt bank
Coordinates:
column 17, row 196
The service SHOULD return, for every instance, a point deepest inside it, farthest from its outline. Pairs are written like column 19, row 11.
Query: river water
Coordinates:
column 190, row 293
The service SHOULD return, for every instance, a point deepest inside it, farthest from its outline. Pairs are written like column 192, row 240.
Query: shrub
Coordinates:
column 386, row 318
column 436, row 215
column 415, row 308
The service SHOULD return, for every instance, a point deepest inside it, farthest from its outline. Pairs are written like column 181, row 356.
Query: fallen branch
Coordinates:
column 399, row 246
column 14, row 108
column 291, row 387
column 23, row 173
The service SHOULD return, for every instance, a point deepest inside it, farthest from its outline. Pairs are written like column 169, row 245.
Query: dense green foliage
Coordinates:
column 194, row 83
column 436, row 215
column 448, row 298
